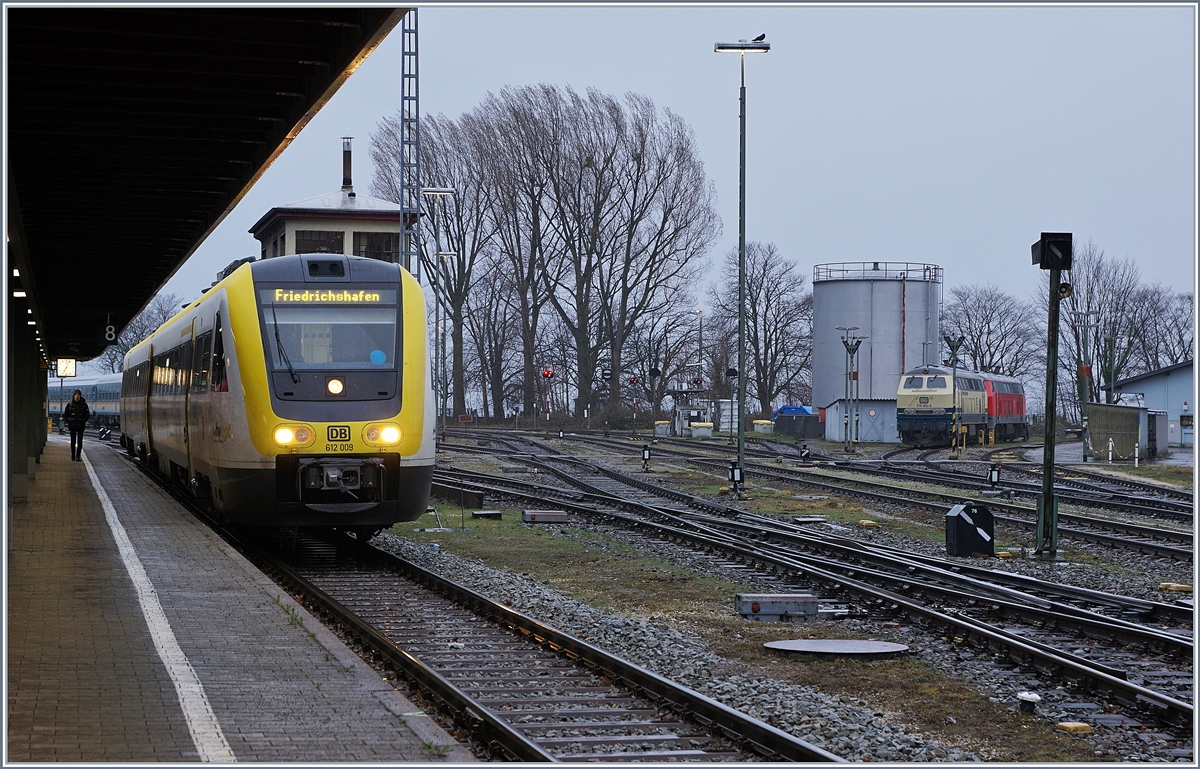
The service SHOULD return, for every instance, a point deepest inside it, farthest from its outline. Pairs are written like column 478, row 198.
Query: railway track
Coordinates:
column 1169, row 509
column 518, row 688
column 1053, row 635
column 528, row 691
column 1108, row 532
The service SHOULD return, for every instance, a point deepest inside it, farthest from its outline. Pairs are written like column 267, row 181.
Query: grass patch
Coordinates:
column 1176, row 475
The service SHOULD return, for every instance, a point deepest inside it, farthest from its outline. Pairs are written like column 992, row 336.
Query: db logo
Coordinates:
column 339, row 432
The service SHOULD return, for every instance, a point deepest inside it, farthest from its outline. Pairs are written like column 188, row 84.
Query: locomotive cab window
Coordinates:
column 936, row 381
column 349, row 327
column 914, row 382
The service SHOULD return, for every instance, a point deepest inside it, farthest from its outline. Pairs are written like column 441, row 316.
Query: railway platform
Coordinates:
column 135, row 634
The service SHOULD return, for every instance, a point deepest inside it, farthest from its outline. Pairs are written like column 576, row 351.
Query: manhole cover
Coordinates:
column 839, row 647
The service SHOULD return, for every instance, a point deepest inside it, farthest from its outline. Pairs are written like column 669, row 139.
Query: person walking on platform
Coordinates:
column 76, row 416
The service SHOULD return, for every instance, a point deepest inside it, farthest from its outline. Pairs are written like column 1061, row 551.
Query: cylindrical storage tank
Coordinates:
column 895, row 305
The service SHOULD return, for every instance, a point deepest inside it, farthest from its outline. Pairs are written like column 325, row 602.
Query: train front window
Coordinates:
column 913, row 383
column 332, row 336
column 936, row 381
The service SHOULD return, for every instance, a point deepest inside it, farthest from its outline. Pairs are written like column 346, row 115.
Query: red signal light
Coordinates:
column 547, row 373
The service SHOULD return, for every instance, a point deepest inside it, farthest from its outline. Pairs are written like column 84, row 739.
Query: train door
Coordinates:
column 188, row 378
column 198, row 402
column 152, row 376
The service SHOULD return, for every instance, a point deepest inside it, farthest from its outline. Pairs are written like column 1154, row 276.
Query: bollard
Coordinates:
column 1135, row 455
column 1110, row 451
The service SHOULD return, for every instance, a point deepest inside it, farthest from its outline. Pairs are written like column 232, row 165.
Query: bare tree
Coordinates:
column 460, row 225
column 491, row 326
column 1161, row 330
column 160, row 309
column 513, row 138
column 1000, row 331
column 778, row 319
column 667, row 342
column 1104, row 291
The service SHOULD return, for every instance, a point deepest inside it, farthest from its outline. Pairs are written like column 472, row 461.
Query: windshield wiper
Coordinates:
column 279, row 344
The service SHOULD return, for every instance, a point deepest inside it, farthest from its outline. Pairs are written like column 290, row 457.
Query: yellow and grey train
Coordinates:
column 931, row 399
column 294, row 392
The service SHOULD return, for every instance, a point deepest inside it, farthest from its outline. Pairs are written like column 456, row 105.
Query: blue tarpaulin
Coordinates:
column 792, row 411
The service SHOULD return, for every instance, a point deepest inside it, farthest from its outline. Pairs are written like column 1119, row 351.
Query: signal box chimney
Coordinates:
column 347, row 183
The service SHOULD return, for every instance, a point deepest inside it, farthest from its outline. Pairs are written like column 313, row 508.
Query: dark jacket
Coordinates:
column 76, row 413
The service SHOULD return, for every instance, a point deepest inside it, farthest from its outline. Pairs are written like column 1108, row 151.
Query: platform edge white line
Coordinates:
column 201, row 720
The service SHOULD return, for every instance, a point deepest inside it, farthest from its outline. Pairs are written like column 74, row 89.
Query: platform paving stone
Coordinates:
column 85, row 682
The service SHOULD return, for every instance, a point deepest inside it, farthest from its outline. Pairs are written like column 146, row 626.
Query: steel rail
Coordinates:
column 760, row 524
column 1168, row 709
column 1153, row 548
column 736, row 726
column 1078, row 620
column 511, row 740
column 1170, row 508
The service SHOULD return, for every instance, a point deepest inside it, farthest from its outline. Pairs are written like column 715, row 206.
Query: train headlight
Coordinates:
column 382, row 434
column 335, row 386
column 292, row 436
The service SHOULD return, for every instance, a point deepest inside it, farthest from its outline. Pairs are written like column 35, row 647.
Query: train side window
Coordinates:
column 936, row 381
column 200, row 363
column 185, row 366
column 219, row 376
column 913, row 382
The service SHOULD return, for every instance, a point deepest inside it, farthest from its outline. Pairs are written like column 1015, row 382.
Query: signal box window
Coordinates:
column 377, row 245
column 320, row 242
column 913, row 383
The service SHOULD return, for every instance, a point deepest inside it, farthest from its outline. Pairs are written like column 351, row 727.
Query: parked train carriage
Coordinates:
column 1007, row 414
column 927, row 403
column 101, row 391
column 293, row 393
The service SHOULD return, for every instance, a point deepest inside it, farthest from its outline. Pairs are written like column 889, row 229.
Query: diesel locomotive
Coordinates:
column 294, row 392
column 930, row 398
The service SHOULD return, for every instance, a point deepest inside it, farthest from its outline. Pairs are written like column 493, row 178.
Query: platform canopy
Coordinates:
column 134, row 131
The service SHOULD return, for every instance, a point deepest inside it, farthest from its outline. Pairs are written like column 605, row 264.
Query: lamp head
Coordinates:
column 741, row 46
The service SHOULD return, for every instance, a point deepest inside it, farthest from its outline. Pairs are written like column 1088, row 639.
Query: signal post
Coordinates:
column 1052, row 252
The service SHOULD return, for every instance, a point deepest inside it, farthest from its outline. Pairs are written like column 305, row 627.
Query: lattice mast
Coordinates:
column 410, row 148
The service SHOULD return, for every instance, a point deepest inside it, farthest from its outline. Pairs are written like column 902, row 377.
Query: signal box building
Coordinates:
column 339, row 222
column 1167, row 390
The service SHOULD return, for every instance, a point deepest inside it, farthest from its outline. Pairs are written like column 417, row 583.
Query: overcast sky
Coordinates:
column 943, row 135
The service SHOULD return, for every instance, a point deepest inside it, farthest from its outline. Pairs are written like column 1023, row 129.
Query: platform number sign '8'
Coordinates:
column 108, row 335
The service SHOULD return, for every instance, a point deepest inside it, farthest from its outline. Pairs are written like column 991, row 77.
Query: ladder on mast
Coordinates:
column 410, row 148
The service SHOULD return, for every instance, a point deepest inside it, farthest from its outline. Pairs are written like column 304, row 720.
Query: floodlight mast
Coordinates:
column 742, row 47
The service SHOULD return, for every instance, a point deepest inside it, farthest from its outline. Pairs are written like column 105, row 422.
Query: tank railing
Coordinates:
column 877, row 271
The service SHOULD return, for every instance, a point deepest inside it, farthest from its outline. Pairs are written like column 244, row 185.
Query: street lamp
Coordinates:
column 437, row 192
column 442, row 378
column 700, row 344
column 742, row 47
